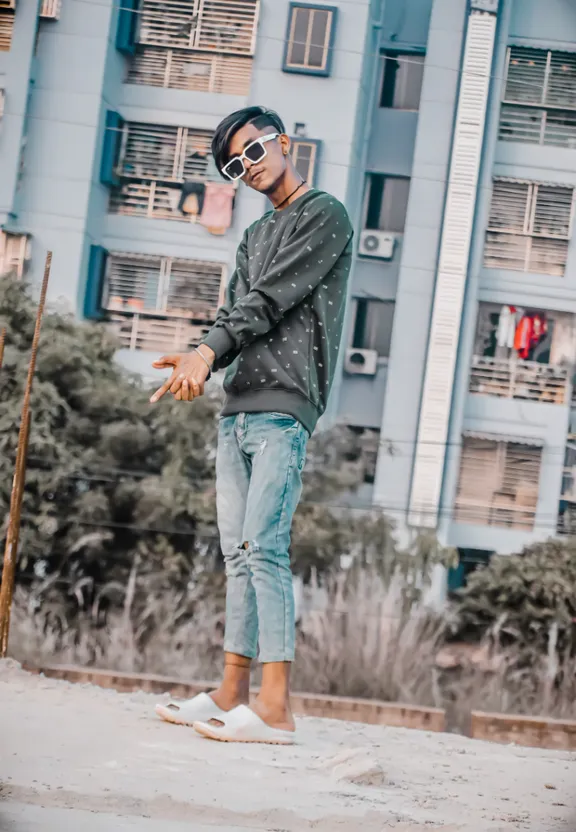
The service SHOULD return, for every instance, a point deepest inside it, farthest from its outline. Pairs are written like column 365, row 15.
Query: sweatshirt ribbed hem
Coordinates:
column 273, row 401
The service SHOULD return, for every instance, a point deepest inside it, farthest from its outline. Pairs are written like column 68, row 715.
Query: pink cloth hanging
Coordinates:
column 217, row 209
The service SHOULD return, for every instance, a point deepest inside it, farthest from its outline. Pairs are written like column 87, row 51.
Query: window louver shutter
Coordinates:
column 452, row 270
column 529, row 227
column 227, row 26
column 188, row 289
column 165, row 153
column 561, row 91
column 498, row 483
column 6, row 30
column 553, row 211
column 527, row 72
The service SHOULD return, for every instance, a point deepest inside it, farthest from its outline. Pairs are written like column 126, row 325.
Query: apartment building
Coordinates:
column 108, row 112
column 448, row 127
column 460, row 366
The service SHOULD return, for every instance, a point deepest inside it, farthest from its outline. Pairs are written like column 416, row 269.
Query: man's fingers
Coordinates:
column 179, row 396
column 166, row 361
column 176, row 382
column 163, row 390
column 194, row 386
column 185, row 391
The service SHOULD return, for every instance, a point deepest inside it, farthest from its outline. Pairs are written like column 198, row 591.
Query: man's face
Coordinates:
column 264, row 175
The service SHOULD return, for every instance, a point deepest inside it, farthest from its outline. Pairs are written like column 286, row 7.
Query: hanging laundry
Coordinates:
column 217, row 212
column 192, row 198
column 539, row 329
column 529, row 332
column 522, row 336
column 506, row 327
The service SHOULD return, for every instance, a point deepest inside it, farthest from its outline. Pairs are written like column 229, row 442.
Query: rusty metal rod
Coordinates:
column 13, row 531
column 2, row 342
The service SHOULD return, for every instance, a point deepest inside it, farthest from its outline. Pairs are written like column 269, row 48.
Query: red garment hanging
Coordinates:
column 523, row 336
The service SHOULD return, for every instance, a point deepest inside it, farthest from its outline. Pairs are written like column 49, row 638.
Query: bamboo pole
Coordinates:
column 12, row 534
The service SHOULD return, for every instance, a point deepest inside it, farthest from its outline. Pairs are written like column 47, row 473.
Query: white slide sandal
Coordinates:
column 241, row 724
column 189, row 711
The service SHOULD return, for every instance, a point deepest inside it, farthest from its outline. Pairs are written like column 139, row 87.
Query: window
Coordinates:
column 202, row 45
column 50, row 9
column 310, row 38
column 529, row 227
column 373, row 326
column 305, row 157
column 6, row 25
column 387, row 202
column 153, row 162
column 14, row 253
column 539, row 104
column 402, row 75
column 363, row 451
column 154, row 302
column 498, row 483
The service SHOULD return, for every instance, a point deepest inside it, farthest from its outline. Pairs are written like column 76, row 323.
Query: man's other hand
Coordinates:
column 190, row 372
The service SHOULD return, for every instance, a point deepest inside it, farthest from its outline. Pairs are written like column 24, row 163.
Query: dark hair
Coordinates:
column 260, row 117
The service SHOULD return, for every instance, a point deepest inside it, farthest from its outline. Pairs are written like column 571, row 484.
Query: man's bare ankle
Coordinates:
column 228, row 699
column 277, row 714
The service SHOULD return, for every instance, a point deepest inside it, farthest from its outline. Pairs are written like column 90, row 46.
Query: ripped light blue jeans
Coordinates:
column 258, row 485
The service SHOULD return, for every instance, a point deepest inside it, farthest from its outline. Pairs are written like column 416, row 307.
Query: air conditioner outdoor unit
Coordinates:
column 361, row 362
column 377, row 244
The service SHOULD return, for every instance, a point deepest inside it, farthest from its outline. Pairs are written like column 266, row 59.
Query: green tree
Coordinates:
column 104, row 466
column 119, row 505
column 522, row 600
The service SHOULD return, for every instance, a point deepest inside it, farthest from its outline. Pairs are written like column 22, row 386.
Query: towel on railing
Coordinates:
column 217, row 210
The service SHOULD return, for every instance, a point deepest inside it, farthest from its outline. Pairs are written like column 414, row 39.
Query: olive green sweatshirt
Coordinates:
column 280, row 327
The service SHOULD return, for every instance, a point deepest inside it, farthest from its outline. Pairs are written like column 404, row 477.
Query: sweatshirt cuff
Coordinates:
column 219, row 341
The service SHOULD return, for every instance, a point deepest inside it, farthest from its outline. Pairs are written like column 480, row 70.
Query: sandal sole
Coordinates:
column 219, row 738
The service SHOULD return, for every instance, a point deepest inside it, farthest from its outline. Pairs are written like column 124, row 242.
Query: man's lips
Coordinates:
column 257, row 175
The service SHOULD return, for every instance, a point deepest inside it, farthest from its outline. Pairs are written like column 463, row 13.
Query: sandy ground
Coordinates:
column 77, row 757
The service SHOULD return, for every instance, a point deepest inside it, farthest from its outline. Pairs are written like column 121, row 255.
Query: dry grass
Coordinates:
column 362, row 640
column 367, row 643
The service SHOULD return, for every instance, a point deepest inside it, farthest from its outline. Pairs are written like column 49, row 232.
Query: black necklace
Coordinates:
column 276, row 207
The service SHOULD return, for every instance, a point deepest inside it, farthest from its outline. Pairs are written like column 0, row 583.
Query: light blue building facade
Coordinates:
column 448, row 127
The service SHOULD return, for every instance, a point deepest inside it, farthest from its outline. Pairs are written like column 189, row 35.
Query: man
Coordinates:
column 278, row 333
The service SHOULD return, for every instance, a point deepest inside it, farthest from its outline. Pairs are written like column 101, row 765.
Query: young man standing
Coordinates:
column 278, row 333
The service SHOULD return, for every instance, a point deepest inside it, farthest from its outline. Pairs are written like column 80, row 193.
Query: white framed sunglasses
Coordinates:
column 254, row 152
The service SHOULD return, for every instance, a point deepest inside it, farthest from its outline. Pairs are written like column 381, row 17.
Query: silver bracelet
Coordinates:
column 203, row 357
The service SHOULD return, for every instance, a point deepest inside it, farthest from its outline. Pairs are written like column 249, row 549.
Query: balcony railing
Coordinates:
column 148, row 199
column 153, row 334
column 516, row 379
column 184, row 70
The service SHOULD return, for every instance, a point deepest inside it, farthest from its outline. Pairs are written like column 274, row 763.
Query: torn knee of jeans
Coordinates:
column 263, row 446
column 250, row 546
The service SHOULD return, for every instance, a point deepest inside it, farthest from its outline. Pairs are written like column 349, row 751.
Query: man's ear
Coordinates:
column 285, row 143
